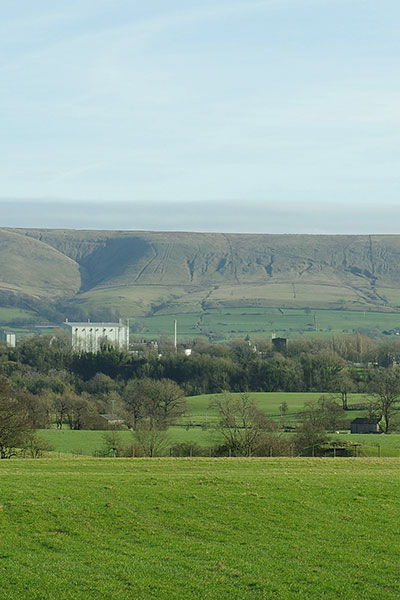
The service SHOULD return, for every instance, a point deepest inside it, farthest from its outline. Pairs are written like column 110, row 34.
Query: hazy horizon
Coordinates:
column 221, row 217
column 275, row 115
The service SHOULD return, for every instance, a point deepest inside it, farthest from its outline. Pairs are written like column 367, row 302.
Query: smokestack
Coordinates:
column 175, row 334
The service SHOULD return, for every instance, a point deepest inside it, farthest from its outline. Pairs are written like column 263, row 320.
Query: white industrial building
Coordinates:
column 8, row 338
column 89, row 337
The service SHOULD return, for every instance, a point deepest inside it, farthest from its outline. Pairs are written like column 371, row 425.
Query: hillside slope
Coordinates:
column 35, row 268
column 140, row 271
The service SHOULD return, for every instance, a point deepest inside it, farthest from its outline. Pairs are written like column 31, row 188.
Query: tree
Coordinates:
column 38, row 407
column 159, row 402
column 81, row 412
column 171, row 401
column 137, row 395
column 14, row 422
column 386, row 388
column 241, row 424
column 60, row 407
column 35, row 446
column 324, row 413
column 308, row 437
column 151, row 439
column 112, row 444
column 344, row 384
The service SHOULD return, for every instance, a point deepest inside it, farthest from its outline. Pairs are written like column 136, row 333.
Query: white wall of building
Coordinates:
column 88, row 337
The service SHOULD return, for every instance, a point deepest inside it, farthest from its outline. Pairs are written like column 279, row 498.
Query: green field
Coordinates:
column 200, row 407
column 88, row 442
column 173, row 529
column 201, row 412
column 229, row 323
column 8, row 315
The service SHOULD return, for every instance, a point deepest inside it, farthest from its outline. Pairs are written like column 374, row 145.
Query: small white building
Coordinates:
column 89, row 337
column 9, row 339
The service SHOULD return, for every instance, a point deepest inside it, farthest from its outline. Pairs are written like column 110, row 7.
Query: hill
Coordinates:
column 136, row 274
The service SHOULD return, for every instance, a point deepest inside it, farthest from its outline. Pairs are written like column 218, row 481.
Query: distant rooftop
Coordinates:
column 92, row 324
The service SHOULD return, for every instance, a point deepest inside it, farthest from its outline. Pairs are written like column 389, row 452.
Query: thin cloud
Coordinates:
column 72, row 173
column 141, row 30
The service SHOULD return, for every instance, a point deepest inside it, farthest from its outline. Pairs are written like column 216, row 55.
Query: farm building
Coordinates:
column 88, row 337
column 363, row 425
column 113, row 419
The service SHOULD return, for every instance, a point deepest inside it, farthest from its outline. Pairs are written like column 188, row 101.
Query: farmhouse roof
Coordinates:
column 364, row 421
column 112, row 418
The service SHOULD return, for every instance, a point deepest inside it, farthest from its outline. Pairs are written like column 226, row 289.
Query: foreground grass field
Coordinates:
column 173, row 529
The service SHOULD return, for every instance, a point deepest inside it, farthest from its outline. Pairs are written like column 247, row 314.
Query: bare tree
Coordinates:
column 241, row 424
column 157, row 401
column 14, row 422
column 151, row 439
column 386, row 389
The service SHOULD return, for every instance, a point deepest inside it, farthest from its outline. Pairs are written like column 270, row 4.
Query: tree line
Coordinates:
column 46, row 383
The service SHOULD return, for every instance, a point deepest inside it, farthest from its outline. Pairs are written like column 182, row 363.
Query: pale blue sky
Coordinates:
column 122, row 113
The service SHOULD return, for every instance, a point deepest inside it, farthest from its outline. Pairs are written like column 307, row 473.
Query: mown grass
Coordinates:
column 173, row 529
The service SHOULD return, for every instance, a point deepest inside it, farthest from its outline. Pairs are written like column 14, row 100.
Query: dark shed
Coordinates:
column 364, row 425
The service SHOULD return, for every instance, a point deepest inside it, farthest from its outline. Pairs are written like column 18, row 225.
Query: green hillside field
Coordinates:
column 200, row 529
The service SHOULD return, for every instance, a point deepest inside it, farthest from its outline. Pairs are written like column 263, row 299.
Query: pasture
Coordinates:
column 197, row 424
column 167, row 529
column 88, row 442
column 227, row 323
column 201, row 409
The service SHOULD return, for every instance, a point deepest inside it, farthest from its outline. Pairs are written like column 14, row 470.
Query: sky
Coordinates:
column 269, row 116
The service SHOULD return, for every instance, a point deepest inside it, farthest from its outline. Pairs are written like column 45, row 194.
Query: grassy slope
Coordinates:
column 198, row 529
column 10, row 314
column 194, row 270
column 32, row 267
